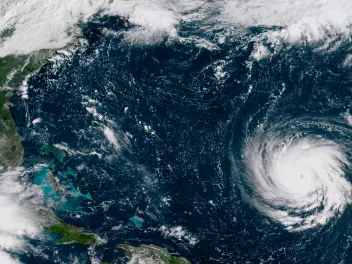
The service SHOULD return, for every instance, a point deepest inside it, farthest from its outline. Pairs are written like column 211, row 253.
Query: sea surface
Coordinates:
column 211, row 149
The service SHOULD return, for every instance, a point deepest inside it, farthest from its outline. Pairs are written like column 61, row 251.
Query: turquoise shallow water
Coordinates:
column 152, row 131
column 57, row 186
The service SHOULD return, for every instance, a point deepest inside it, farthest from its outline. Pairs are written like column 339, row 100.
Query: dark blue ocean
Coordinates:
column 179, row 130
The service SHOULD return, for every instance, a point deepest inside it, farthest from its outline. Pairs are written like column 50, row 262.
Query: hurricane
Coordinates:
column 162, row 131
column 295, row 172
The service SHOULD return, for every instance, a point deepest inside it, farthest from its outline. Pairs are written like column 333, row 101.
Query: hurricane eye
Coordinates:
column 298, row 182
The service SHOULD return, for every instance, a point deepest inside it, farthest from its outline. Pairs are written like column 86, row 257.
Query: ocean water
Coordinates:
column 222, row 146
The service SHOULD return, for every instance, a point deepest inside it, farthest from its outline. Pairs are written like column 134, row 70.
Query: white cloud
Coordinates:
column 301, row 21
column 17, row 221
column 47, row 24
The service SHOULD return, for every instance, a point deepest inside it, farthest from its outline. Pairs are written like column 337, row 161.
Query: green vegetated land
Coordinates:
column 14, row 69
column 11, row 150
column 150, row 254
column 72, row 234
column 64, row 233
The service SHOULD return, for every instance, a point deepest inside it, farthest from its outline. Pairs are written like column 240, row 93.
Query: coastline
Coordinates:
column 14, row 69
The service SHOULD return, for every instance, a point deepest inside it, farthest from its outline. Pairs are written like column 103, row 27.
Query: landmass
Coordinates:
column 58, row 187
column 13, row 70
column 72, row 234
column 150, row 254
column 48, row 149
column 11, row 150
column 65, row 233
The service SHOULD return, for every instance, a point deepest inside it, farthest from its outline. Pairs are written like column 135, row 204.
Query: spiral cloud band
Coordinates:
column 298, row 180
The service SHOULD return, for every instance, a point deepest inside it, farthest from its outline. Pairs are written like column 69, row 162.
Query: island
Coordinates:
column 150, row 254
column 14, row 70
column 72, row 234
